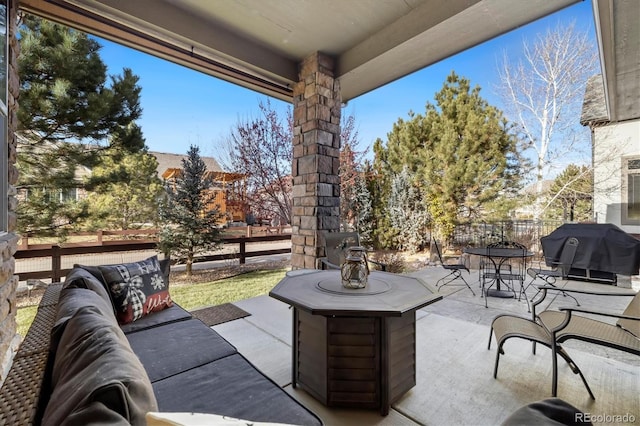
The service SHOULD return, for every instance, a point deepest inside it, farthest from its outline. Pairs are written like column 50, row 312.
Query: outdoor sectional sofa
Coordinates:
column 79, row 364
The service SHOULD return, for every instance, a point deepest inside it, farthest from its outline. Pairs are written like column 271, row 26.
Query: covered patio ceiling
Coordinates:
column 258, row 44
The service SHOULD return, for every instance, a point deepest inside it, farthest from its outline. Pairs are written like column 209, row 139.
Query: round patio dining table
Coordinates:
column 497, row 256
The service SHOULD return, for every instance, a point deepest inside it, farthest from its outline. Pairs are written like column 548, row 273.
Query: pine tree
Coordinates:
column 67, row 114
column 131, row 199
column 189, row 216
column 378, row 176
column 462, row 154
column 571, row 194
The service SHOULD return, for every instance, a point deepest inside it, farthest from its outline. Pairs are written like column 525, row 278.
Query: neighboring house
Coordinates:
column 526, row 209
column 69, row 194
column 616, row 161
column 229, row 188
column 168, row 161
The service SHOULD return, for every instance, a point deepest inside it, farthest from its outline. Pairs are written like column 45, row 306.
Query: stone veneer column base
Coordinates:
column 316, row 159
column 8, row 303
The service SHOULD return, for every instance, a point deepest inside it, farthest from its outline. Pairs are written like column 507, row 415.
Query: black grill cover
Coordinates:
column 602, row 247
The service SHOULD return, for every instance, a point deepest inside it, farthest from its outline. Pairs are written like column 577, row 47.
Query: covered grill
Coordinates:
column 603, row 251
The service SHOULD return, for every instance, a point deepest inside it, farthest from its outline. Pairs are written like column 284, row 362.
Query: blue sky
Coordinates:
column 182, row 107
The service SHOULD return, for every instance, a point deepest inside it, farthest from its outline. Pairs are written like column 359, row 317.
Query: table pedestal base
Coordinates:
column 356, row 362
column 505, row 294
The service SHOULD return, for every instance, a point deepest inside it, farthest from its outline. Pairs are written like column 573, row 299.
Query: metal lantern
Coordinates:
column 355, row 269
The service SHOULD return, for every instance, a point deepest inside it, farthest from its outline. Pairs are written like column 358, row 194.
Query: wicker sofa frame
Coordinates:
column 20, row 393
column 197, row 371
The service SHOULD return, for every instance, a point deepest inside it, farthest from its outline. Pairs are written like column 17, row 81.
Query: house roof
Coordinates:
column 594, row 107
column 532, row 189
column 259, row 43
column 174, row 161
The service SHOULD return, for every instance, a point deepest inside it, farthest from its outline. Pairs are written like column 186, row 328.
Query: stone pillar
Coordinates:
column 9, row 241
column 316, row 159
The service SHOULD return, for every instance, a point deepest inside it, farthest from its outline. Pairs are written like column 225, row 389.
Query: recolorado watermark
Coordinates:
column 605, row 418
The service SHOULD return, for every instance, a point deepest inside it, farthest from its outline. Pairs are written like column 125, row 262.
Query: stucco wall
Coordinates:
column 611, row 143
column 9, row 241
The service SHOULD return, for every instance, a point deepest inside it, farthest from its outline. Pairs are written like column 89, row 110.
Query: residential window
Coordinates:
column 52, row 195
column 69, row 194
column 631, row 191
column 4, row 149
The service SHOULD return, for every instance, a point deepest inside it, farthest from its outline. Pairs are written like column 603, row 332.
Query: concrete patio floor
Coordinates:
column 455, row 384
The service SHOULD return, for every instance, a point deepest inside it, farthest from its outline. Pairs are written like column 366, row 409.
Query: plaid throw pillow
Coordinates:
column 137, row 288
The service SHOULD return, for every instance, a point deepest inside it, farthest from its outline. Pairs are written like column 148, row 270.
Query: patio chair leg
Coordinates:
column 456, row 275
column 554, row 369
column 549, row 280
column 486, row 291
column 575, row 369
column 439, row 286
column 467, row 284
column 568, row 295
column 523, row 289
column 490, row 335
column 563, row 293
column 495, row 368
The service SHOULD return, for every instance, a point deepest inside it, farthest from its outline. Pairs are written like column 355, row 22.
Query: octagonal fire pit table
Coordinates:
column 354, row 347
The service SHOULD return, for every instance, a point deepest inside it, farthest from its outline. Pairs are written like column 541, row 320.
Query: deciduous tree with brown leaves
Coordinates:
column 261, row 148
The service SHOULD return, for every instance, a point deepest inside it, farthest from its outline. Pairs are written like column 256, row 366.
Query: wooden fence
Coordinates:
column 57, row 252
column 105, row 237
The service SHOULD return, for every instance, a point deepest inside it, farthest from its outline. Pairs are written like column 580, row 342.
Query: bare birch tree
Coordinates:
column 543, row 94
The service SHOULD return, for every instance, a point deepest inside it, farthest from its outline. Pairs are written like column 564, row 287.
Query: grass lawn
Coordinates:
column 24, row 318
column 191, row 296
column 244, row 286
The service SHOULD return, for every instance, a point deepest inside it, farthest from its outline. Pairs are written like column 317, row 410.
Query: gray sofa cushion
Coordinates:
column 233, row 387
column 71, row 300
column 95, row 373
column 176, row 347
column 81, row 278
column 172, row 314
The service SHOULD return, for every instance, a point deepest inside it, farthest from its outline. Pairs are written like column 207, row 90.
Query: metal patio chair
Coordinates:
column 559, row 271
column 455, row 271
column 335, row 249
